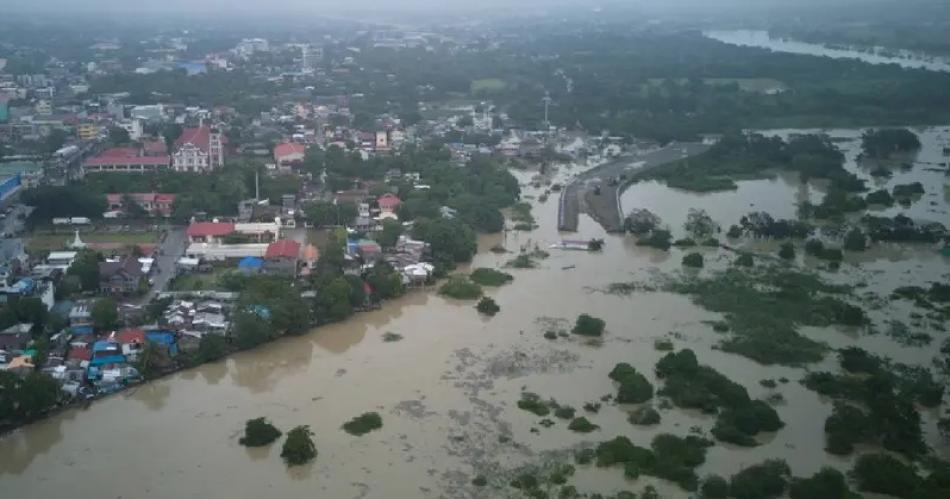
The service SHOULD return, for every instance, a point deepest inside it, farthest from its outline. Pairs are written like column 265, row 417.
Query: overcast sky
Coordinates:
column 317, row 6
column 238, row 13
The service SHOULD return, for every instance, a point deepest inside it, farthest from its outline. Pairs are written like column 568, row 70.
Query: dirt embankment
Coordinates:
column 597, row 191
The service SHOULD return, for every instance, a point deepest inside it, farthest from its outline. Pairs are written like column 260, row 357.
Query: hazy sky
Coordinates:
column 316, row 6
column 422, row 10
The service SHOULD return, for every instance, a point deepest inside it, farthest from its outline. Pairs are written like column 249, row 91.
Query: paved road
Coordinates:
column 580, row 197
column 170, row 249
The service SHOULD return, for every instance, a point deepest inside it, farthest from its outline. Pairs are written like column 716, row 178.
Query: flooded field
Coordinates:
column 447, row 391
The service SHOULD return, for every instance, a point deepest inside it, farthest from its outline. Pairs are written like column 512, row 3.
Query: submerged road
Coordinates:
column 580, row 195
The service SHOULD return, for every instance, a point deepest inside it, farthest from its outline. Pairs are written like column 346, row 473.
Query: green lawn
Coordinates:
column 199, row 280
column 56, row 242
column 488, row 86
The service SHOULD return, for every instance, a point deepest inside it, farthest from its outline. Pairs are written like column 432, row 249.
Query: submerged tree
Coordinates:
column 299, row 447
column 259, row 432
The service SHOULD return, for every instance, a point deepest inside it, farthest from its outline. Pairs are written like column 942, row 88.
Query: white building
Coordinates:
column 198, row 150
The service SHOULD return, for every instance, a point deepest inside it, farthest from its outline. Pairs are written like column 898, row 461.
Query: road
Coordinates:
column 580, row 195
column 169, row 250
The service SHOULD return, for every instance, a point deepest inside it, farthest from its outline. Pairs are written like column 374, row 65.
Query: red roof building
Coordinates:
column 289, row 153
column 284, row 248
column 388, row 202
column 130, row 336
column 80, row 354
column 125, row 160
column 154, row 203
column 155, row 148
column 208, row 232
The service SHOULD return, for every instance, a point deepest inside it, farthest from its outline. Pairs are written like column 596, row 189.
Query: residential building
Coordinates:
column 88, row 131
column 289, row 153
column 134, row 127
column 388, row 203
column 154, row 203
column 382, row 141
column 43, row 107
column 81, row 314
column 120, row 278
column 282, row 257
column 15, row 337
column 154, row 112
column 209, row 232
column 198, row 150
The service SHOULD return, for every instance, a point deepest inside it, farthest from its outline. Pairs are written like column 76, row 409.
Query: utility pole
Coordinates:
column 547, row 102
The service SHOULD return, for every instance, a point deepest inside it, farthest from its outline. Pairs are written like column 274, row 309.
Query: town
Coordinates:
column 427, row 249
column 145, row 233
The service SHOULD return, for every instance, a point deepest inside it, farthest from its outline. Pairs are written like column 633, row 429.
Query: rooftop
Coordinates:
column 203, row 229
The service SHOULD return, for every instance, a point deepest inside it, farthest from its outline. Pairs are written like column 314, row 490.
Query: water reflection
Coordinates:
column 152, row 395
column 214, row 372
column 282, row 358
column 21, row 447
column 260, row 453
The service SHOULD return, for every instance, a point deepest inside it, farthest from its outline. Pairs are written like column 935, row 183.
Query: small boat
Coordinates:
column 568, row 267
column 577, row 244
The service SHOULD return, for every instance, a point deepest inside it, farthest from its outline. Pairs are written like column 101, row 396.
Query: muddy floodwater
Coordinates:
column 875, row 55
column 447, row 391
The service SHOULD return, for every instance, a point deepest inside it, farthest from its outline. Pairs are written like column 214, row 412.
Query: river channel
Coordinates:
column 447, row 391
column 877, row 55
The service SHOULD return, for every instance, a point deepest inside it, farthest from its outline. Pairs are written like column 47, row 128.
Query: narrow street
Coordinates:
column 171, row 247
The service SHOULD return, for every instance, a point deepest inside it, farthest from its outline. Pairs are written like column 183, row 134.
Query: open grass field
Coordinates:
column 55, row 242
column 488, row 86
column 201, row 280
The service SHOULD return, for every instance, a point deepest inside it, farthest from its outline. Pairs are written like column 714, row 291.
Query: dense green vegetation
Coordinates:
column 644, row 416
column 901, row 228
column 875, row 402
column 451, row 241
column 490, row 277
column 587, row 325
column 634, row 387
column 582, row 425
column 670, row 457
column 299, row 447
column 828, row 483
column 691, row 385
column 883, row 143
column 363, row 424
column 532, row 403
column 817, row 249
column 760, row 481
column 487, row 306
column 761, row 224
column 743, row 156
column 460, row 288
column 885, row 474
column 23, row 399
column 762, row 307
column 694, row 260
column 259, row 432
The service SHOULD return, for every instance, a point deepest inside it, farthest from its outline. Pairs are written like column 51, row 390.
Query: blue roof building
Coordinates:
column 250, row 264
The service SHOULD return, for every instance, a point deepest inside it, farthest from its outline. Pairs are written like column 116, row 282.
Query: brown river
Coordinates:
column 448, row 390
